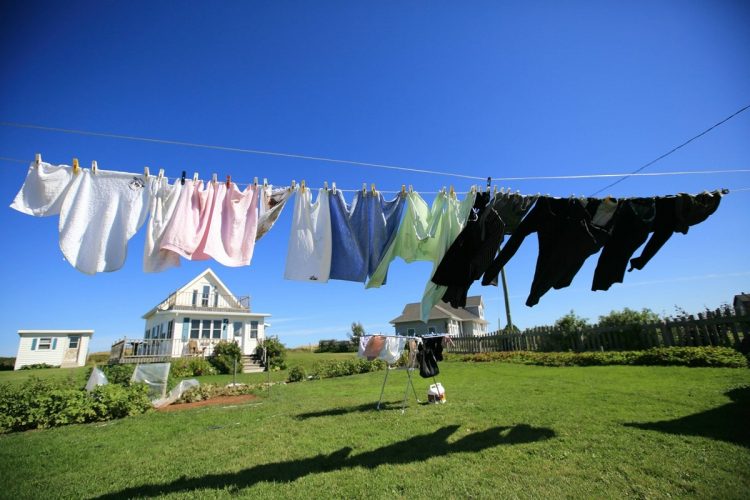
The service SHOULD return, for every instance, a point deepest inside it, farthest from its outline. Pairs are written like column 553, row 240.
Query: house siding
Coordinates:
column 27, row 356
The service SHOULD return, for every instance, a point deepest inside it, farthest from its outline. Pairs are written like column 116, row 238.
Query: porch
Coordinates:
column 206, row 299
column 132, row 351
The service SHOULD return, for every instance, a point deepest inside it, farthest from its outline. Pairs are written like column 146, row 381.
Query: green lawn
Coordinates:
column 507, row 431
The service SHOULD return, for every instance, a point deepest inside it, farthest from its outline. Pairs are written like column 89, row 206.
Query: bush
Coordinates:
column 275, row 351
column 191, row 367
column 336, row 346
column 38, row 366
column 225, row 355
column 38, row 404
column 117, row 374
column 344, row 367
column 656, row 356
column 7, row 363
column 208, row 391
column 296, row 374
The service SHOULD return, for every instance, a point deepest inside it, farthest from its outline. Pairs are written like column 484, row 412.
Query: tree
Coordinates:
column 571, row 323
column 357, row 331
column 628, row 317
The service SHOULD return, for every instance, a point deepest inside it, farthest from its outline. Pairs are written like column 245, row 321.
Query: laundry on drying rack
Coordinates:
column 308, row 255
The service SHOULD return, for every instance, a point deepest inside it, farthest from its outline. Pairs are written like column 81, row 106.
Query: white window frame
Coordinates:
column 254, row 329
column 71, row 339
column 238, row 331
column 216, row 329
column 44, row 344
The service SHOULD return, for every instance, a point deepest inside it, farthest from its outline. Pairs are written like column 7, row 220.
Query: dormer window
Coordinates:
column 205, row 295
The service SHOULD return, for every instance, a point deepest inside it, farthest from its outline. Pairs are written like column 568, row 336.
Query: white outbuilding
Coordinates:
column 63, row 348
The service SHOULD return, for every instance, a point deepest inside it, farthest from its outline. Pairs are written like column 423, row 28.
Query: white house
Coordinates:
column 63, row 348
column 466, row 322
column 191, row 321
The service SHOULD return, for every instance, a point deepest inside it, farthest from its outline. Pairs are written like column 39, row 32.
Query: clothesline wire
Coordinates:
column 643, row 167
column 560, row 177
column 340, row 161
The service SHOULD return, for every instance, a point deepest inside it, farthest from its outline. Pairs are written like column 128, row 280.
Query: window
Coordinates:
column 170, row 328
column 410, row 332
column 431, row 329
column 206, row 329
column 154, row 334
column 73, row 341
column 204, row 296
column 147, row 335
column 195, row 298
column 45, row 343
column 216, row 333
column 162, row 331
column 253, row 329
column 237, row 327
column 195, row 329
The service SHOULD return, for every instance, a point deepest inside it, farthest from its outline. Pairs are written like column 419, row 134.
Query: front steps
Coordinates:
column 251, row 364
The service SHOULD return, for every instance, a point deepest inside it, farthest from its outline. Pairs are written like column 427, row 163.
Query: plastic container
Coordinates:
column 436, row 393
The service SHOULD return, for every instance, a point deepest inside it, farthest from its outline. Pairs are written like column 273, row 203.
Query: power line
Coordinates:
column 709, row 129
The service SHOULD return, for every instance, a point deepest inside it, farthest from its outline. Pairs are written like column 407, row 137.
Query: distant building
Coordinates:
column 63, row 348
column 467, row 322
column 742, row 304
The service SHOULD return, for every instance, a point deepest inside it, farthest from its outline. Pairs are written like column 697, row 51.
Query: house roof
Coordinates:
column 186, row 287
column 55, row 332
column 413, row 312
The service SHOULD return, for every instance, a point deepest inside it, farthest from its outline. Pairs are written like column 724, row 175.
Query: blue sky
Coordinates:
column 488, row 89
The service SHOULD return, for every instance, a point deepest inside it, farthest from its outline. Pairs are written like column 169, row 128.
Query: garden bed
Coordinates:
column 220, row 400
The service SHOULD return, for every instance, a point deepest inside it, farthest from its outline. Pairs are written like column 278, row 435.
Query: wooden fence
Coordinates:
column 712, row 328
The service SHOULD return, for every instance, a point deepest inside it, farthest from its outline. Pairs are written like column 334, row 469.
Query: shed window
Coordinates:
column 73, row 341
column 45, row 343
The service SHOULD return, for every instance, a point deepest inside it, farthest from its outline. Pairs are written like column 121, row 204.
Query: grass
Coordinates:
column 506, row 431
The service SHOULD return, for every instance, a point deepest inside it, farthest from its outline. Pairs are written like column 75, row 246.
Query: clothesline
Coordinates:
column 559, row 177
column 352, row 162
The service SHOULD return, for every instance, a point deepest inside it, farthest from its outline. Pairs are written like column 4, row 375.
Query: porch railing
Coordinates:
column 205, row 301
column 154, row 350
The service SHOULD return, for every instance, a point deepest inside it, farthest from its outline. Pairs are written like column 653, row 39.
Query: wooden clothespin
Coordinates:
column 452, row 192
column 195, row 177
column 229, row 181
column 94, row 167
column 38, row 159
column 182, row 178
column 372, row 188
column 76, row 167
column 403, row 189
column 302, row 186
column 145, row 172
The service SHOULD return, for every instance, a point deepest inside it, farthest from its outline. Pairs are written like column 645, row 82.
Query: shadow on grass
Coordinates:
column 385, row 405
column 416, row 449
column 728, row 422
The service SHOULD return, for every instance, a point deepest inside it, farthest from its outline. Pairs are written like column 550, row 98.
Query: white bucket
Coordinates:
column 436, row 393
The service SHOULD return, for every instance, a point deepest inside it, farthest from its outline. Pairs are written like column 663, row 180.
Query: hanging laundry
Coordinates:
column 374, row 347
column 186, row 232
column 426, row 357
column 631, row 226
column 164, row 199
column 348, row 257
column 383, row 220
column 100, row 213
column 566, row 238
column 230, row 235
column 675, row 214
column 44, row 190
column 272, row 201
column 363, row 341
column 392, row 350
column 309, row 250
column 413, row 241
column 446, row 229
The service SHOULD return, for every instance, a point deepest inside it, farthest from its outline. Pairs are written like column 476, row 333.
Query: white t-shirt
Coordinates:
column 163, row 202
column 100, row 213
column 308, row 255
column 44, row 190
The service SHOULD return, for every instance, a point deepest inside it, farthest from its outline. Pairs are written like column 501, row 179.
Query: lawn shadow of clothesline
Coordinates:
column 415, row 449
column 727, row 422
column 366, row 407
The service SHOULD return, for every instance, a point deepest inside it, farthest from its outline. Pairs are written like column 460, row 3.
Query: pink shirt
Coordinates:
column 186, row 232
column 230, row 239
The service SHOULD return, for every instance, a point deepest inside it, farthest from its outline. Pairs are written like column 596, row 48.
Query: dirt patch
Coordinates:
column 219, row 401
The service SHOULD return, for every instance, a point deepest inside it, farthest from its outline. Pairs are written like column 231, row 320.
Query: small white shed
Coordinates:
column 63, row 348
